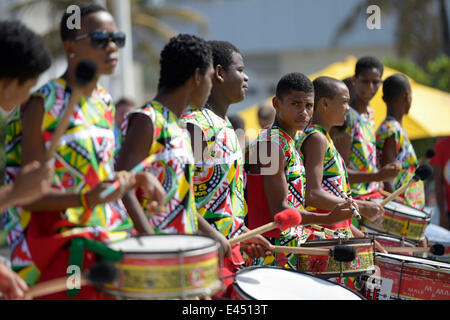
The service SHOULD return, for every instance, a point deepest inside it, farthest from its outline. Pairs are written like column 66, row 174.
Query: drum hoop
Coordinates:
column 366, row 241
column 388, row 236
column 248, row 269
column 426, row 216
column 405, row 262
column 187, row 252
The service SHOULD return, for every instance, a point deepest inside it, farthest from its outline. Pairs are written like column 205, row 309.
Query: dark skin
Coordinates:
column 229, row 86
column 366, row 84
column 33, row 148
column 294, row 111
column 139, row 140
column 329, row 113
column 397, row 108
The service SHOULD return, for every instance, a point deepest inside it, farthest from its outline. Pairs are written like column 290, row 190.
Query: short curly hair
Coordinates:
column 23, row 54
column 180, row 58
column 394, row 86
column 368, row 63
column 222, row 52
column 293, row 81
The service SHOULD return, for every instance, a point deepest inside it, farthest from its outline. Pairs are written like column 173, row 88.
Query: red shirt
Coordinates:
column 441, row 159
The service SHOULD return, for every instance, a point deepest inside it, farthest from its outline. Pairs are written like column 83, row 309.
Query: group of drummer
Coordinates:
column 198, row 181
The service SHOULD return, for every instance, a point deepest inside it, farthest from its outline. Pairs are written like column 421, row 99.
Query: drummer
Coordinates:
column 73, row 210
column 154, row 129
column 393, row 143
column 358, row 148
column 219, row 171
column 326, row 173
column 282, row 171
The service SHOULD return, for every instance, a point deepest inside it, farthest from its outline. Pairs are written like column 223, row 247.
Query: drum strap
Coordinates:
column 78, row 245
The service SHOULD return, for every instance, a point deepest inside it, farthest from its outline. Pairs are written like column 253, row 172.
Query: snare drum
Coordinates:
column 412, row 278
column 273, row 283
column 388, row 240
column 400, row 220
column 437, row 234
column 328, row 267
column 165, row 267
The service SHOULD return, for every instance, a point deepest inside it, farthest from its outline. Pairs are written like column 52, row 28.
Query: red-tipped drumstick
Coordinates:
column 283, row 220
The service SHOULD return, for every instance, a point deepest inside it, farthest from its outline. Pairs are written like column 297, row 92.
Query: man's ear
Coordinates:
column 276, row 103
column 198, row 77
column 218, row 73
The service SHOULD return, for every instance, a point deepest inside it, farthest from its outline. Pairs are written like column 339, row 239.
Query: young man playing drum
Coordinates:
column 273, row 157
column 326, row 174
column 393, row 143
column 219, row 172
column 42, row 234
column 154, row 129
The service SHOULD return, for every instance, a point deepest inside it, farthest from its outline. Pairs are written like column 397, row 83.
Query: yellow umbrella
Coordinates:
column 428, row 117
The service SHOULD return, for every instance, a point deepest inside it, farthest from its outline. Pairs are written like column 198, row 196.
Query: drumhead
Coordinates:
column 404, row 209
column 435, row 233
column 388, row 237
column 273, row 283
column 444, row 267
column 163, row 243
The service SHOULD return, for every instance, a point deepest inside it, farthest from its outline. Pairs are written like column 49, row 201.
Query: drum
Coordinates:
column 436, row 234
column 400, row 220
column 388, row 240
column 273, row 283
column 408, row 278
column 165, row 267
column 328, row 267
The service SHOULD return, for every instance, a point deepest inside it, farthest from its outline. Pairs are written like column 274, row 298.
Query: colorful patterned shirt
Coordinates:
column 219, row 179
column 415, row 194
column 83, row 159
column 361, row 129
column 295, row 177
column 174, row 168
column 335, row 178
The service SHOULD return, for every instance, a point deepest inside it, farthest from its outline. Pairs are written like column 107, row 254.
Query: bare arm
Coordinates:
column 314, row 149
column 138, row 141
column 388, row 155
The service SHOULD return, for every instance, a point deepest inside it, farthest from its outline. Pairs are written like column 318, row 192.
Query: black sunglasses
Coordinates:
column 100, row 40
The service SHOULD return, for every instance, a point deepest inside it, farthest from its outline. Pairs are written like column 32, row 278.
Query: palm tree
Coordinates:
column 418, row 28
column 147, row 21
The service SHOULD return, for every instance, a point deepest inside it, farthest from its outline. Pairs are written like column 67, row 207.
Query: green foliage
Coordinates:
column 436, row 75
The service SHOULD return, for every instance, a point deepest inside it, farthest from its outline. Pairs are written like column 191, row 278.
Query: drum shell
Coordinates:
column 414, row 278
column 166, row 275
column 328, row 267
column 389, row 240
column 397, row 221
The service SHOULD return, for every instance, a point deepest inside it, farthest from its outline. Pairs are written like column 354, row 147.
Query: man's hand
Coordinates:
column 11, row 285
column 152, row 189
column 126, row 181
column 342, row 211
column 389, row 171
column 257, row 247
column 370, row 209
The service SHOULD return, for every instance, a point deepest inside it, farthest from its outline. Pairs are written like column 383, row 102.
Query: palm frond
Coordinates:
column 154, row 24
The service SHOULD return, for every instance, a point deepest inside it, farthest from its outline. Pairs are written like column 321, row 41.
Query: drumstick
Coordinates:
column 422, row 173
column 436, row 249
column 339, row 253
column 344, row 196
column 283, row 220
column 84, row 74
column 330, row 232
column 98, row 275
column 138, row 168
column 387, row 194
column 428, row 155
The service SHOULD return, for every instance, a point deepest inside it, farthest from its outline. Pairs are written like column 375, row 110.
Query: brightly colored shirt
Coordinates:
column 361, row 129
column 219, row 179
column 415, row 194
column 174, row 168
column 441, row 159
column 335, row 178
column 294, row 172
column 84, row 157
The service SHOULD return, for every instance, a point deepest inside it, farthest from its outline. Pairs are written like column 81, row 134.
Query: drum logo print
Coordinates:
column 355, row 264
column 196, row 277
